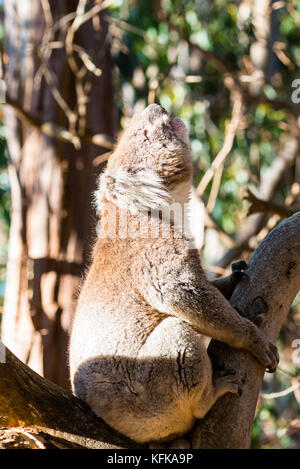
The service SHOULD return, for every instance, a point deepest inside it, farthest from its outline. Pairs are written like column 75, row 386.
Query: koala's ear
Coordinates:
column 134, row 191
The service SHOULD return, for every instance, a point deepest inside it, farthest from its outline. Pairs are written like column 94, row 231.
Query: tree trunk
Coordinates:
column 51, row 182
column 262, row 53
column 273, row 283
column 274, row 280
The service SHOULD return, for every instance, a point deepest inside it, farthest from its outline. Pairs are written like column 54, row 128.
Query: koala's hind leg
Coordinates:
column 223, row 382
column 181, row 382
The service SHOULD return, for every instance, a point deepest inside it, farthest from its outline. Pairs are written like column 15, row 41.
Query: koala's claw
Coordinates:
column 273, row 367
column 268, row 356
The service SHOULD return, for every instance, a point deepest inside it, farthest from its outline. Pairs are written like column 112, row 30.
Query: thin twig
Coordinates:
column 266, row 206
column 79, row 20
column 101, row 159
column 58, row 132
column 285, row 392
column 125, row 26
column 87, row 61
column 47, row 13
column 215, row 189
column 50, row 79
column 79, row 73
column 228, row 141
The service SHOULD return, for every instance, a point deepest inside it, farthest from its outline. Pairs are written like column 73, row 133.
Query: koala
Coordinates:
column 138, row 354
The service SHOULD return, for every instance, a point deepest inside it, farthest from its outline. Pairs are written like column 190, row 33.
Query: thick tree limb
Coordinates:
column 274, row 271
column 27, row 399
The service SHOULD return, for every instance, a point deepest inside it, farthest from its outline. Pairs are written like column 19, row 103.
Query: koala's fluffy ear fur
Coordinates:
column 137, row 349
column 132, row 190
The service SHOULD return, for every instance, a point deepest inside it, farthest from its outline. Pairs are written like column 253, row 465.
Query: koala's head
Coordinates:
column 151, row 165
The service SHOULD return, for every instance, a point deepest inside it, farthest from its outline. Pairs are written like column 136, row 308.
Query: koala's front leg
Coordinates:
column 179, row 288
column 212, row 315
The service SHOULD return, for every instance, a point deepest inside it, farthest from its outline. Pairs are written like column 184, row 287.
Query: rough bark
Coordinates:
column 52, row 183
column 28, row 400
column 274, row 280
column 274, row 271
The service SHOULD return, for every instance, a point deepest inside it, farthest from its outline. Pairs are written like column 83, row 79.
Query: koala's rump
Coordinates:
column 148, row 395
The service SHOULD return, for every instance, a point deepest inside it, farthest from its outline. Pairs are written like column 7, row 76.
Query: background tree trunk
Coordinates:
column 52, row 223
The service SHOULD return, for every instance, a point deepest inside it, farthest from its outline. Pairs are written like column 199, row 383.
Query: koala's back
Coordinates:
column 110, row 300
column 111, row 317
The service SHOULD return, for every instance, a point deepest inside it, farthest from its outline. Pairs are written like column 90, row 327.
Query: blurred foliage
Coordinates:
column 155, row 56
column 4, row 182
column 154, row 62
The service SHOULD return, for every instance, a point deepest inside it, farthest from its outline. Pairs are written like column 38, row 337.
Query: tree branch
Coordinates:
column 230, row 132
column 274, row 280
column 28, row 400
column 267, row 206
column 53, row 130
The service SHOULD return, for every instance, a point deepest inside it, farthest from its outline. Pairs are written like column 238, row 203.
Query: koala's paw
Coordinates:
column 229, row 380
column 267, row 354
column 238, row 270
column 239, row 266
